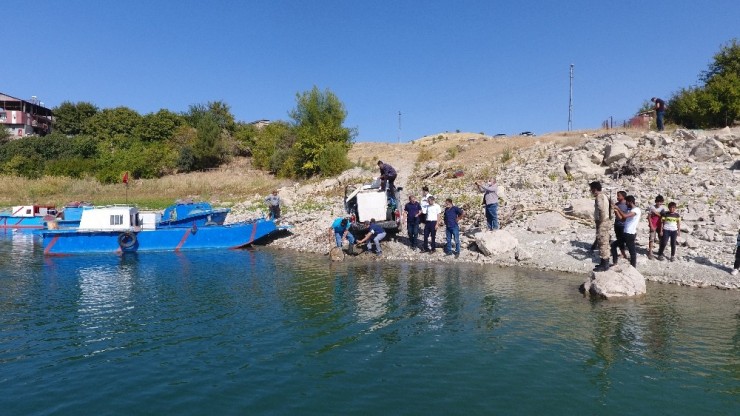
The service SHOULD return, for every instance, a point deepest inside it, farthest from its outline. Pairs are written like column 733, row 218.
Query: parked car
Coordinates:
column 365, row 202
column 500, row 135
column 527, row 133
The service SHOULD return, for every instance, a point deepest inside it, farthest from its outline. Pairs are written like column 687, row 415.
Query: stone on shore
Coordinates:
column 707, row 150
column 579, row 165
column 582, row 208
column 495, row 242
column 618, row 281
column 548, row 222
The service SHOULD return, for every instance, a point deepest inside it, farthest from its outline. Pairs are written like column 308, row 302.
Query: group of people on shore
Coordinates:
column 664, row 224
column 424, row 214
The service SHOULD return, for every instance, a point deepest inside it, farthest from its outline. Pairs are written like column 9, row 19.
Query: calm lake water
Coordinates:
column 272, row 332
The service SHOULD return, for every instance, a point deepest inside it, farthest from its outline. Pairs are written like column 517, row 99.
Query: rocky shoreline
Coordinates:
column 546, row 205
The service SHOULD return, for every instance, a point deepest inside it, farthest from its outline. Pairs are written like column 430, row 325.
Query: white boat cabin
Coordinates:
column 33, row 211
column 118, row 218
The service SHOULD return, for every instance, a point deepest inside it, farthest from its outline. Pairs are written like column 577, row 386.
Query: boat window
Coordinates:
column 116, row 219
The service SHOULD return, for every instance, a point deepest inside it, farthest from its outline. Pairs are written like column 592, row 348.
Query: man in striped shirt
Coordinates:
column 670, row 229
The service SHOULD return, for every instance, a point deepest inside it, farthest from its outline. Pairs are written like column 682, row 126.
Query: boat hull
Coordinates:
column 60, row 242
column 21, row 223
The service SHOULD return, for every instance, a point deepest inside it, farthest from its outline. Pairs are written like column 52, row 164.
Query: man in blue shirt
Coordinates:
column 452, row 215
column 412, row 210
column 340, row 230
column 377, row 233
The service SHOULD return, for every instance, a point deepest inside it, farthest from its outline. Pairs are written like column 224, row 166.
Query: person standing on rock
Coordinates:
column 387, row 176
column 430, row 225
column 659, row 111
column 736, row 267
column 631, row 219
column 452, row 215
column 273, row 204
column 670, row 229
column 340, row 230
column 490, row 201
column 653, row 218
column 619, row 224
column 412, row 211
column 377, row 233
column 601, row 219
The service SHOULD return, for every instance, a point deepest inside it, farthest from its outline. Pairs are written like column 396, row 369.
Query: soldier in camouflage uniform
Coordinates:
column 602, row 216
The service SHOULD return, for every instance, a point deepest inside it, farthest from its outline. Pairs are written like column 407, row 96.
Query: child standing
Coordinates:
column 654, row 212
column 736, row 267
column 670, row 229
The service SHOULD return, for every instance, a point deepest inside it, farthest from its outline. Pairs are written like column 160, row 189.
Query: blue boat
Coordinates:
column 187, row 212
column 122, row 229
column 27, row 217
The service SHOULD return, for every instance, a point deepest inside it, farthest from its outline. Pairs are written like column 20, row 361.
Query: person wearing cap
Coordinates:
column 340, row 230
column 377, row 233
column 430, row 224
column 659, row 112
column 387, row 176
column 412, row 212
column 273, row 204
column 490, row 200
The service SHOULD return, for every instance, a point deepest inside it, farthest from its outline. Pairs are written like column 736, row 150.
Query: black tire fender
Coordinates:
column 127, row 240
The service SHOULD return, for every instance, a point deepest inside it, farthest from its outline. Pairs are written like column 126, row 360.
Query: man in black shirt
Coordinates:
column 659, row 111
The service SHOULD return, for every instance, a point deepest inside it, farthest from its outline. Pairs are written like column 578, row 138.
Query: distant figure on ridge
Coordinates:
column 273, row 203
column 602, row 214
column 659, row 111
column 490, row 201
column 387, row 176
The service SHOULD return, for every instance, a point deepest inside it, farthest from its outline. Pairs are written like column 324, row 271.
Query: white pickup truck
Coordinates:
column 365, row 202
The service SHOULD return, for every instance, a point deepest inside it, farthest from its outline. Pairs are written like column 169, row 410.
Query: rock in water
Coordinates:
column 336, row 254
column 618, row 281
column 491, row 243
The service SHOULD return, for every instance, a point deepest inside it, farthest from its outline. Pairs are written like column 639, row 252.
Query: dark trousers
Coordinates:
column 618, row 233
column 659, row 119
column 387, row 183
column 412, row 225
column 664, row 241
column 274, row 212
column 629, row 241
column 430, row 228
column 737, row 258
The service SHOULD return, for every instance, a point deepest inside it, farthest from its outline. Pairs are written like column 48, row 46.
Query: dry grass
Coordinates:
column 233, row 183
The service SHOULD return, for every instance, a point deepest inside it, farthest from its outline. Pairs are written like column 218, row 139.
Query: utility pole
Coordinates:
column 570, row 101
column 399, row 126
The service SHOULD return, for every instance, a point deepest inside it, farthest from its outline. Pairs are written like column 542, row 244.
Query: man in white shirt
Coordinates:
column 631, row 218
column 430, row 224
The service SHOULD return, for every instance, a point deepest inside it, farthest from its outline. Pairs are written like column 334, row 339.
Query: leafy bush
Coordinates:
column 332, row 159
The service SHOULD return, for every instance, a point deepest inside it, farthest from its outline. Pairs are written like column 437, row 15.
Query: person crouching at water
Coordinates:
column 430, row 224
column 630, row 219
column 378, row 232
column 340, row 230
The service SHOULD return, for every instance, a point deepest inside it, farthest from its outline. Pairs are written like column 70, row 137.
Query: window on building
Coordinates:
column 116, row 219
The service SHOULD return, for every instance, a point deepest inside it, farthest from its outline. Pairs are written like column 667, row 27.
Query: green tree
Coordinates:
column 318, row 119
column 70, row 117
column 273, row 147
column 717, row 102
column 4, row 135
column 218, row 110
column 208, row 147
column 159, row 126
column 111, row 122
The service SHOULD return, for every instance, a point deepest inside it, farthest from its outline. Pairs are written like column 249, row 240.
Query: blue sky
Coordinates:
column 477, row 66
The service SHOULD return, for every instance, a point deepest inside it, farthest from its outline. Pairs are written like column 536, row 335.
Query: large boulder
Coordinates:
column 618, row 281
column 616, row 151
column 582, row 208
column 707, row 150
column 548, row 222
column 579, row 165
column 495, row 242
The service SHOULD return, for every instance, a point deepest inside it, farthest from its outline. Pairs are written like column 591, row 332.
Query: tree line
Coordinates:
column 715, row 102
column 87, row 141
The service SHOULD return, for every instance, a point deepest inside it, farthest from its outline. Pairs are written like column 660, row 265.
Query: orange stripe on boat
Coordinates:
column 254, row 232
column 51, row 244
column 182, row 240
